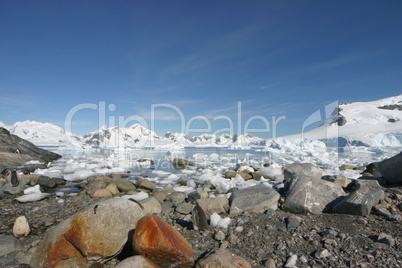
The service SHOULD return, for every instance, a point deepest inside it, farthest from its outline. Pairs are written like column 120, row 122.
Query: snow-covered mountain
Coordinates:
column 133, row 136
column 44, row 134
column 375, row 124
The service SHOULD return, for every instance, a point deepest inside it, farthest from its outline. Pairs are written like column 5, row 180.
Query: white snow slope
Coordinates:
column 44, row 134
column 374, row 124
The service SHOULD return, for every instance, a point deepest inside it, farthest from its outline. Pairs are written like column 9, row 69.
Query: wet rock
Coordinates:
column 161, row 243
column 258, row 198
column 137, row 262
column 311, row 195
column 222, row 258
column 94, row 234
column 214, row 205
column 360, row 202
column 8, row 244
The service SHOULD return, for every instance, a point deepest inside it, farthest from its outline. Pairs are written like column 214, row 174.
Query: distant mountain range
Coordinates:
column 373, row 124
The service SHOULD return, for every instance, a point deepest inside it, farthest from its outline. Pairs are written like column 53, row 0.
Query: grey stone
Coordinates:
column 360, row 202
column 176, row 197
column 246, row 176
column 46, row 181
column 193, row 196
column 311, row 195
column 167, row 207
column 8, row 244
column 390, row 169
column 258, row 198
column 369, row 182
column 219, row 235
column 300, row 170
column 293, row 222
column 151, row 206
column 386, row 239
column 184, row 208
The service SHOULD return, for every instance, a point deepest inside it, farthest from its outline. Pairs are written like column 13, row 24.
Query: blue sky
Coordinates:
column 207, row 61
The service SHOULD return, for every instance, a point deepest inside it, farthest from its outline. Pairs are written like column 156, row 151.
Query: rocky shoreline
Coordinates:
column 265, row 228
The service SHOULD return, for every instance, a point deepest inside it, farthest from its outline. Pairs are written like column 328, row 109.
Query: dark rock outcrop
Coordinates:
column 15, row 151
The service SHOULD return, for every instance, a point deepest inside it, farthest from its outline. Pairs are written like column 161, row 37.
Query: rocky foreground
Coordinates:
column 313, row 220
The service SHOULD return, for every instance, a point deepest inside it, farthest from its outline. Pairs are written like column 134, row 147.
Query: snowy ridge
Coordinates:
column 374, row 124
column 44, row 134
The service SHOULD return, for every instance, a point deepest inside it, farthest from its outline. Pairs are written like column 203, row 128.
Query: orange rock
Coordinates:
column 161, row 243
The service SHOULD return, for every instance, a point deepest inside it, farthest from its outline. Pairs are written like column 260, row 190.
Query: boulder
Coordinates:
column 47, row 182
column 311, row 195
column 137, row 262
column 297, row 170
column 390, row 169
column 222, row 258
column 213, row 205
column 161, row 243
column 258, row 198
column 95, row 234
column 360, row 202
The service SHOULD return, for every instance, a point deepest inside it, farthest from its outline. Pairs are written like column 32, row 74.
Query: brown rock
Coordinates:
column 246, row 176
column 161, row 243
column 222, row 258
column 214, row 205
column 94, row 234
column 102, row 193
